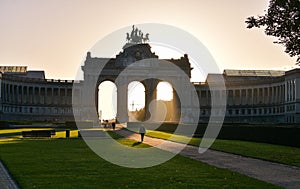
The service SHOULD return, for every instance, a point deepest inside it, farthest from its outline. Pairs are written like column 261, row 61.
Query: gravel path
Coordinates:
column 275, row 173
column 6, row 182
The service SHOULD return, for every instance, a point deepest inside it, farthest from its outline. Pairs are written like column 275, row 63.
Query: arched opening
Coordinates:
column 136, row 101
column 107, row 100
column 167, row 96
column 164, row 91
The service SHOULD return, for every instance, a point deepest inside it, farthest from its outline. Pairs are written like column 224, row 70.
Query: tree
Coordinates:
column 282, row 20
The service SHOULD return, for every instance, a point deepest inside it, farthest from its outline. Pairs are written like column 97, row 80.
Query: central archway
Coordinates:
column 136, row 101
column 97, row 70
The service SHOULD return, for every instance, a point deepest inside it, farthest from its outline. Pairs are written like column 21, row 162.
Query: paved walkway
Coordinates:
column 275, row 173
column 6, row 182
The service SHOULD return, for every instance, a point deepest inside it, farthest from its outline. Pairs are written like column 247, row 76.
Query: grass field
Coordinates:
column 276, row 153
column 17, row 132
column 69, row 163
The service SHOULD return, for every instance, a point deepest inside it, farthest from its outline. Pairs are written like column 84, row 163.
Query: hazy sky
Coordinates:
column 55, row 35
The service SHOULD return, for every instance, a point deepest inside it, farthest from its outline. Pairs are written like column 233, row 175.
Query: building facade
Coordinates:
column 256, row 96
column 251, row 95
column 27, row 95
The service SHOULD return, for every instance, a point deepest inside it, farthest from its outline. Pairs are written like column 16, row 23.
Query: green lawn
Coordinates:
column 69, row 163
column 276, row 153
column 17, row 132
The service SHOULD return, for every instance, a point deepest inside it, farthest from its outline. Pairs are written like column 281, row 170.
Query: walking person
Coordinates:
column 142, row 132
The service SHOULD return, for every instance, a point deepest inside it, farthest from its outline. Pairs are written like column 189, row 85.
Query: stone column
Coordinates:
column 252, row 96
column 269, row 95
column 58, row 96
column 45, row 95
column 258, row 96
column 17, row 94
column 13, row 93
column 52, row 95
column 27, row 96
column 39, row 96
column 66, row 97
column 247, row 101
column 273, row 95
column 294, row 90
column 187, row 106
column 177, row 105
column 263, row 95
column 285, row 92
column 150, row 95
column 4, row 92
column 7, row 92
column 278, row 94
column 33, row 94
column 291, row 90
column 282, row 93
column 241, row 97
column 96, row 100
column 234, row 97
column 22, row 95
column 207, row 98
column 122, row 98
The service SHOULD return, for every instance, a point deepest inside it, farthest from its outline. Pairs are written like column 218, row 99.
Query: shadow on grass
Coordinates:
column 136, row 144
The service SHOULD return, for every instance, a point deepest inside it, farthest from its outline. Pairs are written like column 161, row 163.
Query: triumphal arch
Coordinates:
column 135, row 52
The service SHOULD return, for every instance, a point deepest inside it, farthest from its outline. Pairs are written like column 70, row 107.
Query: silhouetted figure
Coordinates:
column 113, row 124
column 105, row 123
column 142, row 132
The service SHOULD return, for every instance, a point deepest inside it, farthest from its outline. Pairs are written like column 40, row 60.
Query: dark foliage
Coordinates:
column 282, row 20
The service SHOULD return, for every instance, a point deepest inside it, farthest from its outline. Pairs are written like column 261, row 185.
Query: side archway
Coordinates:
column 107, row 100
column 168, row 96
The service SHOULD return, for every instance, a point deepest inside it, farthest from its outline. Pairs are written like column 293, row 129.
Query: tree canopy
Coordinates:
column 281, row 20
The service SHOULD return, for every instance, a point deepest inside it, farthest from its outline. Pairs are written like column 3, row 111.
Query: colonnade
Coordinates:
column 253, row 101
column 290, row 90
column 30, row 94
column 246, row 96
column 42, row 100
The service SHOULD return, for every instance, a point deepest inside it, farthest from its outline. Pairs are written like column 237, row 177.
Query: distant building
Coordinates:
column 252, row 95
column 27, row 95
column 256, row 96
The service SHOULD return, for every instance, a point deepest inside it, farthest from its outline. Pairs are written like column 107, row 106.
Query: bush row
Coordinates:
column 267, row 133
